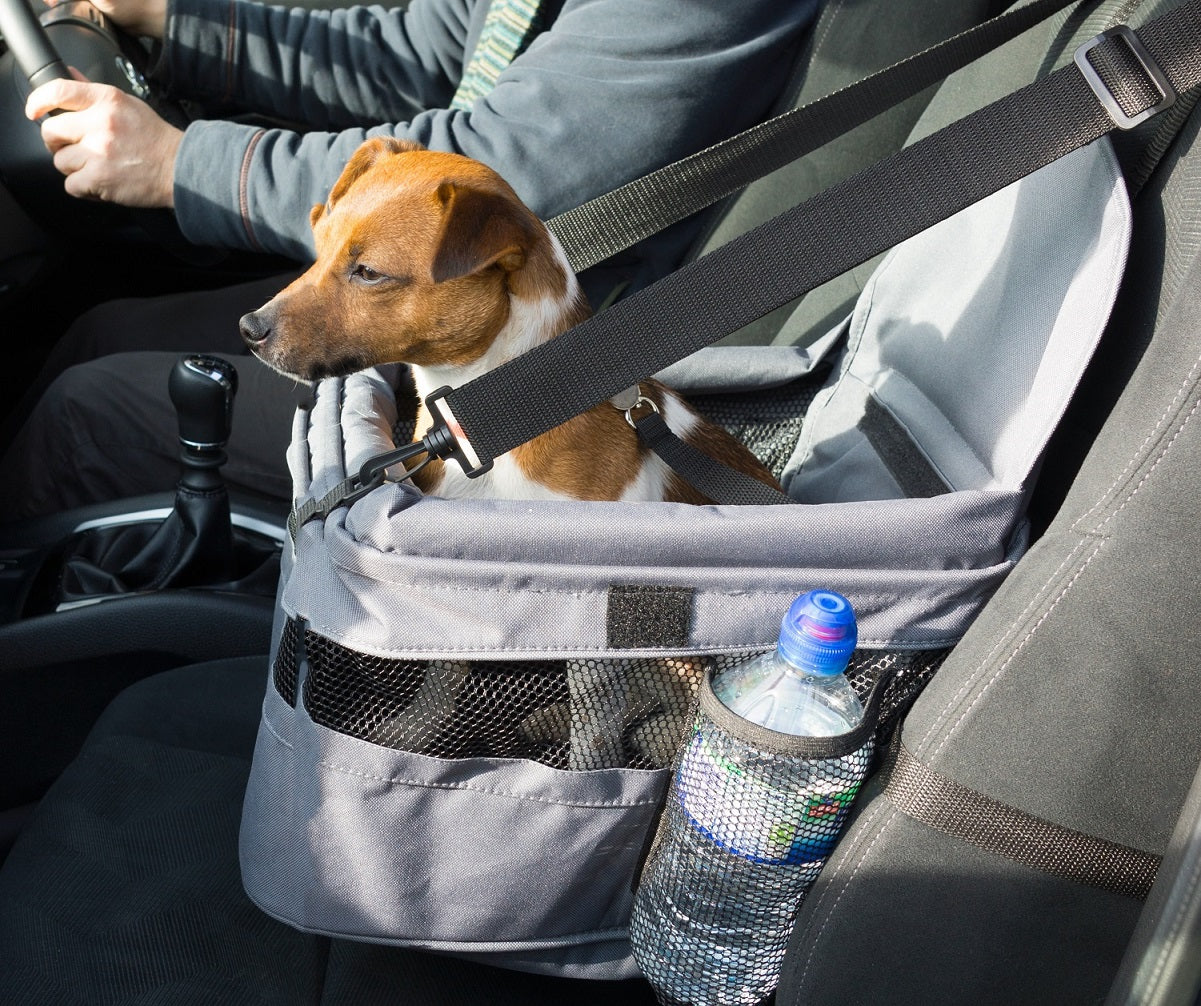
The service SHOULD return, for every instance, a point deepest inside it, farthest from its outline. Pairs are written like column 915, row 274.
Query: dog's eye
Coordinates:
column 365, row 274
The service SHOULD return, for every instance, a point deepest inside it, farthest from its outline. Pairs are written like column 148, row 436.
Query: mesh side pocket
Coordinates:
column 568, row 714
column 749, row 821
column 900, row 676
column 286, row 666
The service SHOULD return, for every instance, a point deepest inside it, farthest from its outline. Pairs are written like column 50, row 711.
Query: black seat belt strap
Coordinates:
column 842, row 227
column 1115, row 80
column 619, row 219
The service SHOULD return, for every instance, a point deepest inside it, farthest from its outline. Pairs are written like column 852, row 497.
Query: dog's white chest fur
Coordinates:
column 505, row 480
column 531, row 322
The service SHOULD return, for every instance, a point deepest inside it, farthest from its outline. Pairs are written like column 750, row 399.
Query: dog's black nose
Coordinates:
column 254, row 329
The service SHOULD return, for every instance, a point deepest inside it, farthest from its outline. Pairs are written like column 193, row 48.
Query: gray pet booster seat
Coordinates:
column 474, row 706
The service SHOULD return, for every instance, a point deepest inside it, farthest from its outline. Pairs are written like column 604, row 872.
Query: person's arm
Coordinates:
column 328, row 69
column 614, row 89
column 113, row 147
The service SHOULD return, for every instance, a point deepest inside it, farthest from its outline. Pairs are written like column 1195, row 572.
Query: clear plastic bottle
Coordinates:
column 752, row 815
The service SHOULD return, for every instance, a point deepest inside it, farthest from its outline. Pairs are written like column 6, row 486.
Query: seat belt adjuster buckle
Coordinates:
column 447, row 441
column 1146, row 63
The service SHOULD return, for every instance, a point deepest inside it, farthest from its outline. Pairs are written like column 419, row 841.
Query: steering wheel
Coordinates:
column 40, row 49
column 29, row 44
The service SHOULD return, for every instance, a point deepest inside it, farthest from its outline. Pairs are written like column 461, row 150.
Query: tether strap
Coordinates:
column 810, row 244
column 950, row 807
column 715, row 480
column 619, row 219
column 307, row 509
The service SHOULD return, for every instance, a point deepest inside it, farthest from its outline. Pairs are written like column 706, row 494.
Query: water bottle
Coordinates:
column 755, row 808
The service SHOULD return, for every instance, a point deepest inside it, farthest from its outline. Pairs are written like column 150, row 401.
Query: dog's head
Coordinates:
column 421, row 258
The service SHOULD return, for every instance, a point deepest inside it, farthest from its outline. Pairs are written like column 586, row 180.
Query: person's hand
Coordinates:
column 110, row 145
column 138, row 17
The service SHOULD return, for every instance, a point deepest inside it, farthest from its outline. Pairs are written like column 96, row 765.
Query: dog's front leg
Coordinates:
column 418, row 724
column 599, row 691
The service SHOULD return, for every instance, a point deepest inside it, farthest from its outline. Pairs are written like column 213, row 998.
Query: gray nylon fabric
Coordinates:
column 498, row 858
column 346, row 828
column 494, row 577
column 971, row 336
column 972, row 355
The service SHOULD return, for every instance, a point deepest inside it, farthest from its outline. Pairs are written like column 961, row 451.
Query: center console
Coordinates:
column 93, row 599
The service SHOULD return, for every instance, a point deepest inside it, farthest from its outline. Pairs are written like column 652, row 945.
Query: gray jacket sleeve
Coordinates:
column 612, row 90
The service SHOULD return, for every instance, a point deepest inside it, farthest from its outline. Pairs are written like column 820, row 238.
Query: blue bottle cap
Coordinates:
column 818, row 633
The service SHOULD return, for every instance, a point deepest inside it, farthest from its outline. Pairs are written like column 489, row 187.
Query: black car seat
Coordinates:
column 1004, row 856
column 124, row 885
column 850, row 39
column 1073, row 701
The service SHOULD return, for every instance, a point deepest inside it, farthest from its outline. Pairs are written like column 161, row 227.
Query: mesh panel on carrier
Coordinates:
column 570, row 714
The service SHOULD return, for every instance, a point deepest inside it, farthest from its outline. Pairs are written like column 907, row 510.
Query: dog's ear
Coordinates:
column 368, row 153
column 480, row 229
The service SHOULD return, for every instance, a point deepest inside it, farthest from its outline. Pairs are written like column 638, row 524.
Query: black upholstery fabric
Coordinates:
column 124, row 887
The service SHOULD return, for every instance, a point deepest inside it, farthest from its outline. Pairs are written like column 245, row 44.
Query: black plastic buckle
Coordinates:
column 442, row 442
column 351, row 489
column 1145, row 61
column 374, row 470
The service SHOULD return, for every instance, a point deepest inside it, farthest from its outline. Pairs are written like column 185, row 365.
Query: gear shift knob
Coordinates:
column 202, row 388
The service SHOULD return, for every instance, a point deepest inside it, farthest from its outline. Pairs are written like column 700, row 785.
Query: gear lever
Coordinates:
column 193, row 546
column 202, row 389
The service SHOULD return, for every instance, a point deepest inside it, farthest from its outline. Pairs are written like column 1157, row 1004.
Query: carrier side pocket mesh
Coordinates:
column 568, row 714
column 750, row 818
column 285, row 669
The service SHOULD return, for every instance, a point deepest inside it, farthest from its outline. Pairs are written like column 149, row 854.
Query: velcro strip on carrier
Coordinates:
column 916, row 477
column 954, row 809
column 641, row 616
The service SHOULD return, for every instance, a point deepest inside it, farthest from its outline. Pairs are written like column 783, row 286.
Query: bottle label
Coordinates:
column 771, row 810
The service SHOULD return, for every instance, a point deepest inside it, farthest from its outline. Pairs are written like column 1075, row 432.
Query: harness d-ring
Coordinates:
column 639, row 400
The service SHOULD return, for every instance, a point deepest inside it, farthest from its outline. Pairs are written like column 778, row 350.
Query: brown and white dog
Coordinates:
column 431, row 259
